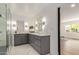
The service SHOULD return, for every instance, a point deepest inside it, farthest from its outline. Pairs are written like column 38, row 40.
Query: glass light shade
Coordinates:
column 26, row 23
column 36, row 22
column 44, row 19
column 43, row 27
column 14, row 28
column 26, row 28
column 13, row 22
column 36, row 28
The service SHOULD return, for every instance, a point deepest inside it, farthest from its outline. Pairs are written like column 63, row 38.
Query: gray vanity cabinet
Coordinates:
column 40, row 43
column 20, row 39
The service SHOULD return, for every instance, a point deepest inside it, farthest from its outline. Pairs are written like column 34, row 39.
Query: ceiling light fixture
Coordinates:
column 69, row 20
column 73, row 5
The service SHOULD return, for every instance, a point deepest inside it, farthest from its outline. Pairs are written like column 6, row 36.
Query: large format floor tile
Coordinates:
column 23, row 50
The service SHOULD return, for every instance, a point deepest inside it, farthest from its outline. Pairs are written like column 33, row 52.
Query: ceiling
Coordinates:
column 29, row 10
column 69, row 13
column 26, row 9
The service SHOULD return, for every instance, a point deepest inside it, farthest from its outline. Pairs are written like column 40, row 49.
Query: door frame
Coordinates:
column 59, row 41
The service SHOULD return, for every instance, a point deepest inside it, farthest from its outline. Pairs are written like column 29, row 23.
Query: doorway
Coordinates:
column 68, row 30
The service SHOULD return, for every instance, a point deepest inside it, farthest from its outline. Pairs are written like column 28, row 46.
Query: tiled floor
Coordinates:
column 23, row 50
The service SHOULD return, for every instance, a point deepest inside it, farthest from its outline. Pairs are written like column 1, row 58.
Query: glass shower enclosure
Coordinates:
column 4, row 29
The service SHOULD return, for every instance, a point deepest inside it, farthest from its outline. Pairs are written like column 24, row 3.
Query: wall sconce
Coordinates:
column 14, row 28
column 43, row 27
column 36, row 28
column 26, row 23
column 43, row 23
column 14, row 25
column 26, row 26
column 36, row 22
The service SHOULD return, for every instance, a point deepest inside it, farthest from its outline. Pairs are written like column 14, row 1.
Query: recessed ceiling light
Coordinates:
column 73, row 5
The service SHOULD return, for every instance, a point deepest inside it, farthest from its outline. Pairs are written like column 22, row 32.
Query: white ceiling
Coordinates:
column 26, row 9
column 29, row 10
column 68, row 13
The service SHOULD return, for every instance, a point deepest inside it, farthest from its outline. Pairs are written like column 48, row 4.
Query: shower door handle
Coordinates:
column 0, row 32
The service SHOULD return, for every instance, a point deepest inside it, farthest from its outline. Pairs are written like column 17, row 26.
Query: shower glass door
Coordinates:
column 3, row 41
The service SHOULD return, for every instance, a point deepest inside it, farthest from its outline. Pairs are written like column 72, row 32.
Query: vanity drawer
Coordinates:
column 37, row 42
column 40, row 43
column 37, row 48
column 20, row 39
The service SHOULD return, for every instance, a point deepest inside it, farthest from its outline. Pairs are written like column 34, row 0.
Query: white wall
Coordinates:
column 52, row 29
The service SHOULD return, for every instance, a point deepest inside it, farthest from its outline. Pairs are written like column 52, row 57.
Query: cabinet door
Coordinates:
column 23, row 39
column 16, row 40
column 20, row 39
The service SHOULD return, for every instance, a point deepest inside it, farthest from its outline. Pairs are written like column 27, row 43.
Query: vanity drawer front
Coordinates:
column 37, row 37
column 30, row 36
column 37, row 48
column 36, row 42
column 30, row 40
column 23, row 40
column 20, row 39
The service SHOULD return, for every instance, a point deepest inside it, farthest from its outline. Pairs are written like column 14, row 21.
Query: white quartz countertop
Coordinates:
column 40, row 34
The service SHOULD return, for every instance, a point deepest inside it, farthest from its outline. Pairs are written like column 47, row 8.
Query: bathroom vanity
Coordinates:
column 20, row 39
column 40, row 42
